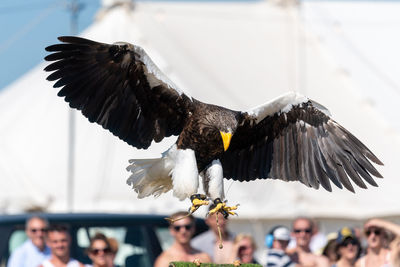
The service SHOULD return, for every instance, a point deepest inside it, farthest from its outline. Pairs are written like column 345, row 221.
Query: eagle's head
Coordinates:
column 227, row 126
column 217, row 122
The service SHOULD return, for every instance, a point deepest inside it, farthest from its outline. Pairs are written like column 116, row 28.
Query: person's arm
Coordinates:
column 234, row 253
column 392, row 227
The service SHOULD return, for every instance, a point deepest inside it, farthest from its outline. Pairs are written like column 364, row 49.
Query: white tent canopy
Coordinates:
column 237, row 55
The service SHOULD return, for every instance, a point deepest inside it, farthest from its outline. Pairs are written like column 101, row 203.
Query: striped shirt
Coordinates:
column 278, row 258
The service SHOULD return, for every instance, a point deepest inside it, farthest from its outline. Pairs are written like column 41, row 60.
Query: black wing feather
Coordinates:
column 111, row 85
column 301, row 144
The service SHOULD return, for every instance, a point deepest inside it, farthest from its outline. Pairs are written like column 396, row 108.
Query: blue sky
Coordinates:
column 27, row 27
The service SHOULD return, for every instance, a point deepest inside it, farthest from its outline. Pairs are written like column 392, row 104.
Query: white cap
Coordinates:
column 282, row 233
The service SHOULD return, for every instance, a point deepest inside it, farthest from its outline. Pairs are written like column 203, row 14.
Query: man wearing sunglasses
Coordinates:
column 182, row 231
column 34, row 250
column 302, row 254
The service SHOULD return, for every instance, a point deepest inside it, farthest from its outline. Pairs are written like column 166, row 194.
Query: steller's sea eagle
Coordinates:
column 290, row 138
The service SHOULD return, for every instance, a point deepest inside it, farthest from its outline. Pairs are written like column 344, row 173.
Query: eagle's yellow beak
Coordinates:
column 226, row 139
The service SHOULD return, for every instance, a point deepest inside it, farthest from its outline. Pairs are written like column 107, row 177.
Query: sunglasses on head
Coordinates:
column 187, row 227
column 97, row 251
column 34, row 230
column 307, row 231
column 376, row 232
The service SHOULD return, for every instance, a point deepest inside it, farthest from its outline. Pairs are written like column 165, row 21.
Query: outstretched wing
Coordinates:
column 293, row 139
column 119, row 87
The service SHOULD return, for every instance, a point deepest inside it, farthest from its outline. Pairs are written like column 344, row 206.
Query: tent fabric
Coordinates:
column 233, row 54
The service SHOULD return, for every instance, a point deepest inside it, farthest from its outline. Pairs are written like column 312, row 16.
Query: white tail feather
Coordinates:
column 176, row 170
column 150, row 176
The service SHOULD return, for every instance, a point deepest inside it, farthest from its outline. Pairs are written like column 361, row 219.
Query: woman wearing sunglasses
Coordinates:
column 379, row 252
column 347, row 248
column 99, row 251
column 243, row 249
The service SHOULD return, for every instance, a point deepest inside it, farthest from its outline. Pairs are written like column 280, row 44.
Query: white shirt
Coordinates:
column 71, row 263
column 28, row 255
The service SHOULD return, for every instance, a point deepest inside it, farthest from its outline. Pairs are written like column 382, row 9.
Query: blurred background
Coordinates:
column 238, row 54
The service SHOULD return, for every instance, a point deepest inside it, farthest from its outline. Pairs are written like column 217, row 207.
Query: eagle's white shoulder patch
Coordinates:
column 281, row 104
column 154, row 75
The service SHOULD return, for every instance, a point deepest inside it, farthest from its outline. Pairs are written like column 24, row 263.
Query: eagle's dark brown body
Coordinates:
column 202, row 131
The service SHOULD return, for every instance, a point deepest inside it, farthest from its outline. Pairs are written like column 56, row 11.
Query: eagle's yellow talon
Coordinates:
column 197, row 200
column 231, row 208
column 219, row 207
column 222, row 208
column 237, row 263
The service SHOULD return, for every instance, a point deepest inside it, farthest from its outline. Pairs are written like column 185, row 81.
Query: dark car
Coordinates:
column 141, row 238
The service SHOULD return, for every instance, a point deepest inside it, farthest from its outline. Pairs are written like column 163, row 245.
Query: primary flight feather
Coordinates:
column 290, row 138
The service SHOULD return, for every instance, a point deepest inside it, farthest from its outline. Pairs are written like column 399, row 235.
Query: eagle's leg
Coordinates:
column 185, row 181
column 214, row 186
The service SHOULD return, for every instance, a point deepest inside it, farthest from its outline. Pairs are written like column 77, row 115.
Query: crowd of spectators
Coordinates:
column 376, row 244
column 49, row 246
column 342, row 248
column 301, row 245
